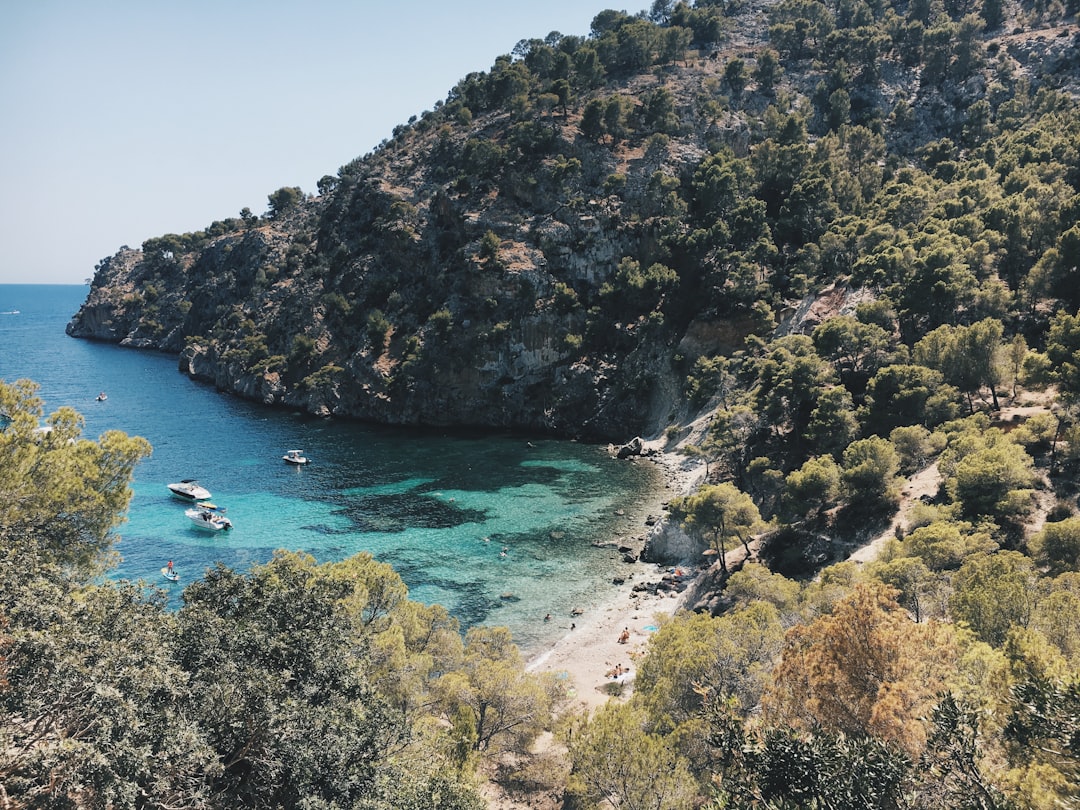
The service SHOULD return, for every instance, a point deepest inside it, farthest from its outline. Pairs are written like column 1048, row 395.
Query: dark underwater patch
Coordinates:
column 403, row 511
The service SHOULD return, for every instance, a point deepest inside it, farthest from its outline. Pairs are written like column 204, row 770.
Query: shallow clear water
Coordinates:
column 440, row 508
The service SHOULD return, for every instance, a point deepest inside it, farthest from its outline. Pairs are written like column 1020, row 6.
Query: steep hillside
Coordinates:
column 555, row 246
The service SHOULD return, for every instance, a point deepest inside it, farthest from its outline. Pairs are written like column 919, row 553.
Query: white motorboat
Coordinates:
column 208, row 519
column 189, row 490
column 295, row 457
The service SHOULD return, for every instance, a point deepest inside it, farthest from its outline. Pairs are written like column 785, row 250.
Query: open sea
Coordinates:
column 439, row 507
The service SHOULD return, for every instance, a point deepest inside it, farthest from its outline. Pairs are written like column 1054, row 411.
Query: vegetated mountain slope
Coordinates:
column 555, row 246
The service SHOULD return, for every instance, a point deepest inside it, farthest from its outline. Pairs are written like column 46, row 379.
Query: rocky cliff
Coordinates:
column 378, row 299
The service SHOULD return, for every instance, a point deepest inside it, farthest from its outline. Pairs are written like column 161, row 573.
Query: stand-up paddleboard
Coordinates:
column 172, row 576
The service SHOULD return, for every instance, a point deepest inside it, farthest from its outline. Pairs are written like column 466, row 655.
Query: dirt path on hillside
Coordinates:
column 924, row 484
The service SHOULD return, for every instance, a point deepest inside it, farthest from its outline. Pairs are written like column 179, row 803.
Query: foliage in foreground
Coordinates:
column 858, row 706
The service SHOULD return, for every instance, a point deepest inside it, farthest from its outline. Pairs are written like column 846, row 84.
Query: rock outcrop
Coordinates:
column 668, row 544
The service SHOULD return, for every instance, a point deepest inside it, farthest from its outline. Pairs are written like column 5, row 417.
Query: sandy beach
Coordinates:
column 586, row 655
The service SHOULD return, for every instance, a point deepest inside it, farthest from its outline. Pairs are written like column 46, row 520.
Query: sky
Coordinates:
column 121, row 120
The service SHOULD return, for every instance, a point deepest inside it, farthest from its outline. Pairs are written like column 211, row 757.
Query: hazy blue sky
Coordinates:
column 126, row 119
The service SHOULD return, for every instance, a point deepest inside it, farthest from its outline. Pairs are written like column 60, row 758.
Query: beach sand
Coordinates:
column 586, row 655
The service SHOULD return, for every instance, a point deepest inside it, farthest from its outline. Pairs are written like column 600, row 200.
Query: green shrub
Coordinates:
column 377, row 328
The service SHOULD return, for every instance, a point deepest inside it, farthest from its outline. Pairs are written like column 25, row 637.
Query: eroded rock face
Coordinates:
column 113, row 308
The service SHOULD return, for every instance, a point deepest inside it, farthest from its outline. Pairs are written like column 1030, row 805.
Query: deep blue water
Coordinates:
column 440, row 508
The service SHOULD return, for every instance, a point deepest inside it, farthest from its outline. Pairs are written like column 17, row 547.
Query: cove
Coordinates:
column 497, row 528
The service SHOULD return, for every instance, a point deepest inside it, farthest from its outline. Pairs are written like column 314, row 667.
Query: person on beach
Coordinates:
column 624, row 636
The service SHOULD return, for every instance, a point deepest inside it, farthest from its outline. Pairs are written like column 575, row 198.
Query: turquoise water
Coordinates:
column 496, row 528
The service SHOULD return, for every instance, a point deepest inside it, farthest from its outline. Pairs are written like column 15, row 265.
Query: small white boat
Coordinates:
column 189, row 490
column 295, row 457
column 169, row 574
column 208, row 519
